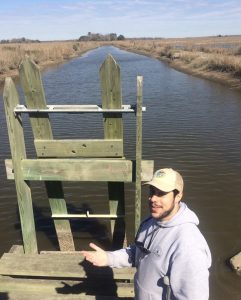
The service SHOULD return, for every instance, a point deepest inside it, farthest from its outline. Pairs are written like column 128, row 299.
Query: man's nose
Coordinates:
column 152, row 198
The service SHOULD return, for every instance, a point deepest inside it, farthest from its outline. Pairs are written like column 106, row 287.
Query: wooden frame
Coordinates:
column 73, row 160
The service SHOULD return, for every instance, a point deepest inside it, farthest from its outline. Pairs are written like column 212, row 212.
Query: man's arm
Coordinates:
column 116, row 259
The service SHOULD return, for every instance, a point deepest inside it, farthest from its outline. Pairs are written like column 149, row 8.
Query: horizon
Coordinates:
column 68, row 20
column 126, row 38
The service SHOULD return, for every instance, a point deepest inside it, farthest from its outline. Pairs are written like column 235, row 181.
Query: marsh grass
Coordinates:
column 211, row 54
column 41, row 53
column 216, row 54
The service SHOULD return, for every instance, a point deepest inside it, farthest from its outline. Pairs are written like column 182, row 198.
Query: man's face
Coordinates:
column 163, row 206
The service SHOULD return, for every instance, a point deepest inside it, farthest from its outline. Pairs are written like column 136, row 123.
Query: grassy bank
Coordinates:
column 216, row 58
column 43, row 54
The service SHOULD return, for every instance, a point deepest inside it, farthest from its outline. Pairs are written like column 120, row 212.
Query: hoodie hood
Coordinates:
column 183, row 216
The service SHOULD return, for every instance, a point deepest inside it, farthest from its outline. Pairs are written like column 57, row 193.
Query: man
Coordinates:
column 170, row 253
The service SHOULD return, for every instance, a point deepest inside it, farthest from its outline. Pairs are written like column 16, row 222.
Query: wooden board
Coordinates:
column 110, row 79
column 58, row 266
column 138, row 153
column 79, row 148
column 30, row 78
column 17, row 145
column 146, row 169
column 63, row 288
column 77, row 169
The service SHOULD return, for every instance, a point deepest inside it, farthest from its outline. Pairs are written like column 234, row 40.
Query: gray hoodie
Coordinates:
column 175, row 248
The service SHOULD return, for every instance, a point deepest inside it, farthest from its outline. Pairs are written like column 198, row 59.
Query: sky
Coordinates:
column 64, row 20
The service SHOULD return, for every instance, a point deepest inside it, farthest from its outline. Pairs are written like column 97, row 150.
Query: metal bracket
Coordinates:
column 75, row 109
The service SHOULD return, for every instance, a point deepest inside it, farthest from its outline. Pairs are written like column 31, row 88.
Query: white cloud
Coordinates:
column 69, row 19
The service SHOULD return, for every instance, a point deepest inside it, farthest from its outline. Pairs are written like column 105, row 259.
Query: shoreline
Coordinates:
column 14, row 74
column 219, row 77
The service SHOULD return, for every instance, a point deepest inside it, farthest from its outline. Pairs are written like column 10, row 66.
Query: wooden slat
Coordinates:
column 63, row 288
column 17, row 249
column 17, row 145
column 113, row 129
column 58, row 266
column 147, row 167
column 79, row 148
column 30, row 78
column 17, row 296
column 9, row 168
column 138, row 153
column 77, row 169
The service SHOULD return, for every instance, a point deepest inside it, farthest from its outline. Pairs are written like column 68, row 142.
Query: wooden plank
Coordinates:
column 64, row 288
column 147, row 168
column 113, row 128
column 17, row 145
column 9, row 168
column 138, row 153
column 31, row 82
column 111, row 98
column 58, row 266
column 79, row 148
column 77, row 169
column 24, row 296
column 17, row 249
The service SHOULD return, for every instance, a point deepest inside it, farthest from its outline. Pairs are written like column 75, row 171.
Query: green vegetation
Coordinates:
column 101, row 37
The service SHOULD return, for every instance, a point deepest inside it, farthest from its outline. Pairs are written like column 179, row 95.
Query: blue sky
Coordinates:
column 62, row 19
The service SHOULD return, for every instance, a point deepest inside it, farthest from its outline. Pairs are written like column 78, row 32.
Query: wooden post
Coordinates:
column 17, row 145
column 138, row 152
column 113, row 129
column 31, row 82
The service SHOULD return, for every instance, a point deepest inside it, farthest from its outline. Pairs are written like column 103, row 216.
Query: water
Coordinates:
column 191, row 124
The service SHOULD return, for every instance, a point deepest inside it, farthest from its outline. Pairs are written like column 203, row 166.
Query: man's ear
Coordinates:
column 178, row 197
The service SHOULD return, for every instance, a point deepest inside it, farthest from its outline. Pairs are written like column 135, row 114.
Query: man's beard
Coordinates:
column 165, row 213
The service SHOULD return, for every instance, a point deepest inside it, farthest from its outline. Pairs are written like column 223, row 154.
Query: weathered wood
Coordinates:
column 138, row 153
column 113, row 129
column 58, row 266
column 111, row 98
column 64, row 288
column 77, row 169
column 17, row 249
column 17, row 145
column 79, row 148
column 9, row 168
column 31, row 82
column 17, row 296
column 147, row 167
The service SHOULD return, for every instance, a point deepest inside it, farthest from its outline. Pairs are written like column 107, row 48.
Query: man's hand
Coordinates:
column 97, row 257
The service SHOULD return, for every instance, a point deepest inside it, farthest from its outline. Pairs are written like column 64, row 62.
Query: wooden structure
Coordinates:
column 69, row 160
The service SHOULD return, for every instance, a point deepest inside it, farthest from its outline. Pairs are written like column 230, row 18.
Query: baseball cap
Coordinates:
column 167, row 180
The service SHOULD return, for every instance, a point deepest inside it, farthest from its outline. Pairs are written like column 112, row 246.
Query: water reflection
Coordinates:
column 190, row 124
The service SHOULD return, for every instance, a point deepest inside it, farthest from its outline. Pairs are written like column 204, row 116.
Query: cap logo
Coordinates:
column 160, row 174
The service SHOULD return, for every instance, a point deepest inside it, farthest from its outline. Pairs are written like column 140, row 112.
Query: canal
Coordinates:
column 191, row 124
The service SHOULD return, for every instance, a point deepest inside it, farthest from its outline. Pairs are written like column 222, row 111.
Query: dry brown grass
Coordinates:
column 221, row 55
column 216, row 54
column 42, row 53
